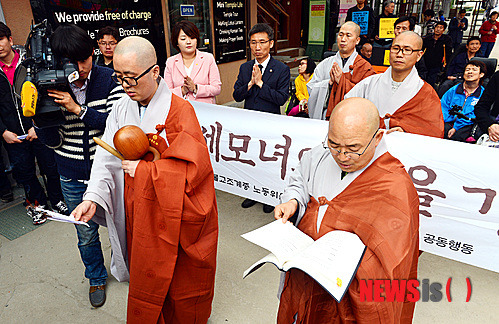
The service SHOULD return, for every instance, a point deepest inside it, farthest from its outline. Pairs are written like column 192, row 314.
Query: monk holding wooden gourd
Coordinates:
column 171, row 226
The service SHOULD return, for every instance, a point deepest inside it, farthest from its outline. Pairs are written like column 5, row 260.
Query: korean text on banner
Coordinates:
column 456, row 182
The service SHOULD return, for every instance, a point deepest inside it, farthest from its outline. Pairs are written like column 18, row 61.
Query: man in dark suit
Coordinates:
column 263, row 83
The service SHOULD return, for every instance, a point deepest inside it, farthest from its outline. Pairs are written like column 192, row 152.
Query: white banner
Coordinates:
column 253, row 154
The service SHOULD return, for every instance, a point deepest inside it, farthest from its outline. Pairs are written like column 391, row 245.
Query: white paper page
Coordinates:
column 60, row 217
column 332, row 261
column 255, row 266
column 283, row 240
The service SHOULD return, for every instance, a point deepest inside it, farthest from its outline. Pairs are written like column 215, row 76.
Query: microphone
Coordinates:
column 29, row 98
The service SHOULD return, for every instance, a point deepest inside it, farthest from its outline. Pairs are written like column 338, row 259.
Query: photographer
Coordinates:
column 458, row 104
column 85, row 112
column 13, row 125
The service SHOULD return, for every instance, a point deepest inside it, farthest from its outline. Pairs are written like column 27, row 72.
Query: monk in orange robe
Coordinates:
column 352, row 183
column 360, row 70
column 170, row 203
column 405, row 102
column 336, row 75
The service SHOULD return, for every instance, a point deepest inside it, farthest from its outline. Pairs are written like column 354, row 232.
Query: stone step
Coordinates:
column 289, row 51
column 281, row 43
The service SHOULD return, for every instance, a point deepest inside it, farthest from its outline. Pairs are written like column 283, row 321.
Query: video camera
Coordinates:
column 456, row 111
column 44, row 71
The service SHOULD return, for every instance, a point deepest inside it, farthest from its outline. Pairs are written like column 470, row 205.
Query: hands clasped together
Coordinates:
column 189, row 86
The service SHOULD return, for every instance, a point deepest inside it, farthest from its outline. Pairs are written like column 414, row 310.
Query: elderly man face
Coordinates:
column 390, row 8
column 367, row 50
column 405, row 51
column 353, row 133
column 348, row 37
column 136, row 69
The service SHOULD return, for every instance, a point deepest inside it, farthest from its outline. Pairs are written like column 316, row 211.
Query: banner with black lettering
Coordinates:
column 253, row 154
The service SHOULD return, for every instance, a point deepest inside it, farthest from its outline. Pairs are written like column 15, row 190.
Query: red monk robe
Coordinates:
column 172, row 226
column 381, row 206
column 361, row 69
column 415, row 116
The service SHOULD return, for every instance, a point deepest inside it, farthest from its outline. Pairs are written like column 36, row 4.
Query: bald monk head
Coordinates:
column 354, row 130
column 402, row 63
column 348, row 38
column 135, row 67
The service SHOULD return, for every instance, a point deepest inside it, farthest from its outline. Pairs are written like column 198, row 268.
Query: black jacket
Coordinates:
column 487, row 109
column 11, row 115
column 274, row 92
column 435, row 49
column 370, row 19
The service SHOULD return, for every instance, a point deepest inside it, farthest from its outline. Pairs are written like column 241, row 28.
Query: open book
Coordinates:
column 332, row 260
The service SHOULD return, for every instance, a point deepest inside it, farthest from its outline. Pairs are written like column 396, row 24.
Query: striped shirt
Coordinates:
column 72, row 141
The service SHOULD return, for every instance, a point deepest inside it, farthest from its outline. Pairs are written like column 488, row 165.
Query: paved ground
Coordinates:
column 41, row 278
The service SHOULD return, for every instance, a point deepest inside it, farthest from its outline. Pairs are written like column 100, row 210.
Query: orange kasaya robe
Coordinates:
column 361, row 69
column 420, row 115
column 381, row 206
column 172, row 226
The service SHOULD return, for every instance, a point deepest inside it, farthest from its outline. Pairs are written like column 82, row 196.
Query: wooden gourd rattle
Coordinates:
column 131, row 144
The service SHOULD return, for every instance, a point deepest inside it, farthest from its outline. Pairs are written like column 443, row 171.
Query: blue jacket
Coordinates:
column 274, row 92
column 455, row 96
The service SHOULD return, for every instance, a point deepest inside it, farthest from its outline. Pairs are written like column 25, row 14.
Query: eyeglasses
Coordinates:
column 107, row 44
column 350, row 155
column 405, row 50
column 131, row 81
column 261, row 43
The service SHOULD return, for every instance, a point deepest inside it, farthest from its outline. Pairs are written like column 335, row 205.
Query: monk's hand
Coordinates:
column 395, row 129
column 64, row 99
column 451, row 132
column 129, row 166
column 331, row 75
column 286, row 210
column 84, row 211
column 494, row 132
column 337, row 72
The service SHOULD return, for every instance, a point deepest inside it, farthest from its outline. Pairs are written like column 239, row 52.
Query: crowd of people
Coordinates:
column 170, row 259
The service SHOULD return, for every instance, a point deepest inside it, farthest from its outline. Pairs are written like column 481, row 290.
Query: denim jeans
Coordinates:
column 487, row 48
column 22, row 156
column 88, row 237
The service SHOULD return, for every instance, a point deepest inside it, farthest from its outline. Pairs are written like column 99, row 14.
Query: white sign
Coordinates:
column 253, row 154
